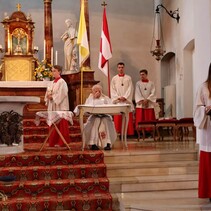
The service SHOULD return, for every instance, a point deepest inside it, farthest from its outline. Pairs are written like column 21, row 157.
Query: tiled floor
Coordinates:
column 171, row 200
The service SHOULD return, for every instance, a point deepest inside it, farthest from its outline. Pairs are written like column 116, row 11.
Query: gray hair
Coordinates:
column 97, row 86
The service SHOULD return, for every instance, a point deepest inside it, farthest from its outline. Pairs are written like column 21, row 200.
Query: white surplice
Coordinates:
column 99, row 129
column 201, row 120
column 122, row 86
column 59, row 92
column 145, row 91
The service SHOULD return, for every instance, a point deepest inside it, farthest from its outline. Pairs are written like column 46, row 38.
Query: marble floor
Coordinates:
column 166, row 200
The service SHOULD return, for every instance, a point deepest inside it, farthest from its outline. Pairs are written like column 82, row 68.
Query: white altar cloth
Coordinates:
column 15, row 103
column 123, row 109
column 54, row 116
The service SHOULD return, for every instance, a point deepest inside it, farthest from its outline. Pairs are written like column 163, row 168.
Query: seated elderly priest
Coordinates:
column 99, row 130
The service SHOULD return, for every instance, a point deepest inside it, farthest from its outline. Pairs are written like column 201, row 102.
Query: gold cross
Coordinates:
column 18, row 6
column 104, row 4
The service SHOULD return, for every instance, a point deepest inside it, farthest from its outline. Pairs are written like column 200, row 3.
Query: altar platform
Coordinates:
column 28, row 89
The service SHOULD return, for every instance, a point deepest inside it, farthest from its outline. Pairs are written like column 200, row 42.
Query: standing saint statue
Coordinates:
column 70, row 48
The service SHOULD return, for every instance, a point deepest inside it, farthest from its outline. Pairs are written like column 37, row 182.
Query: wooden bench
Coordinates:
column 170, row 124
column 142, row 127
column 183, row 125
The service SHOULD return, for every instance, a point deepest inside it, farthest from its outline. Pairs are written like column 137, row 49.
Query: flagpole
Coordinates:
column 83, row 45
column 109, row 91
column 105, row 50
column 82, row 78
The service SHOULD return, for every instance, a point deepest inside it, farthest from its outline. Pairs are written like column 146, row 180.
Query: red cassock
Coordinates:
column 118, row 124
column 143, row 114
column 204, row 189
column 55, row 139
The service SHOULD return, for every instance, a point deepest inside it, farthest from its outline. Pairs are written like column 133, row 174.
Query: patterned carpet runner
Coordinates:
column 55, row 178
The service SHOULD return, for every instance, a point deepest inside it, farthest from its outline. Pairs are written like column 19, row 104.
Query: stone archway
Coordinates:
column 168, row 84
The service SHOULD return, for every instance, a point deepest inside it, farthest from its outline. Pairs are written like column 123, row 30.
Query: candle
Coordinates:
column 44, row 50
column 56, row 57
column 8, row 42
column 52, row 56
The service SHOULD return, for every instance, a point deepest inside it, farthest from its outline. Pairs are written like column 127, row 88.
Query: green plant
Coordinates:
column 10, row 127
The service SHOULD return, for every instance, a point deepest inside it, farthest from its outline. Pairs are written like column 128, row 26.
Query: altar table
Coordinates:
column 53, row 118
column 15, row 103
column 111, row 109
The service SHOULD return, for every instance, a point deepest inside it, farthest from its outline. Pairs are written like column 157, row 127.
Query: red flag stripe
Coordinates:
column 105, row 45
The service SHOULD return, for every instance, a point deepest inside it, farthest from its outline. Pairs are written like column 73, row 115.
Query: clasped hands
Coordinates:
column 144, row 103
column 208, row 110
column 50, row 96
column 121, row 99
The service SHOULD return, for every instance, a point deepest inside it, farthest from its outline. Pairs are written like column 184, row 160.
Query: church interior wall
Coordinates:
column 131, row 26
column 192, row 26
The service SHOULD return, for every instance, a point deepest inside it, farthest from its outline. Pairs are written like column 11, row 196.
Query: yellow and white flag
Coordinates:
column 82, row 40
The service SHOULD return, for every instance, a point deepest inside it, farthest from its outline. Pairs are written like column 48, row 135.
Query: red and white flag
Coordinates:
column 105, row 46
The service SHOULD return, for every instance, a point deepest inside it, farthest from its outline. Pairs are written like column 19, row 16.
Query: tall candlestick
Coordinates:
column 56, row 62
column 44, row 50
column 52, row 56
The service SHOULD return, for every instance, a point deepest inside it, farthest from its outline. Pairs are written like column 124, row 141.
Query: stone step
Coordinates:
column 151, row 151
column 153, row 156
column 153, row 168
column 178, row 200
column 153, row 183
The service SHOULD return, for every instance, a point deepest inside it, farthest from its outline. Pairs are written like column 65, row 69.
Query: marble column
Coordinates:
column 48, row 29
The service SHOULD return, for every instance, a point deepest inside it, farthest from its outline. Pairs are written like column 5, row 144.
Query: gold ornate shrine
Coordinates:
column 18, row 61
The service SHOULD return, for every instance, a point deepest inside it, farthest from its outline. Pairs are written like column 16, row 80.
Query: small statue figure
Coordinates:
column 6, row 16
column 70, row 48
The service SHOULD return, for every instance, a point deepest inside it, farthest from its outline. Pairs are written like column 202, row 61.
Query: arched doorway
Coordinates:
column 187, row 77
column 168, row 84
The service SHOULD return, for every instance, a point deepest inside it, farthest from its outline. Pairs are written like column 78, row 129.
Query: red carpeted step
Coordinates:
column 33, row 130
column 55, row 178
column 55, row 172
column 31, row 123
column 55, row 187
column 89, row 202
column 53, row 157
column 40, row 137
column 38, row 134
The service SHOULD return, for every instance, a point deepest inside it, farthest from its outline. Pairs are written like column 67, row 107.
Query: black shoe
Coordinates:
column 94, row 147
column 210, row 199
column 108, row 147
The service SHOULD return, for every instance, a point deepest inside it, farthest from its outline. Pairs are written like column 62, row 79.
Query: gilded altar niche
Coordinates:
column 18, row 63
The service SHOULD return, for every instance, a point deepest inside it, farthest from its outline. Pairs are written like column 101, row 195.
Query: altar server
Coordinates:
column 56, row 99
column 99, row 129
column 122, row 93
column 145, row 98
column 202, row 121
